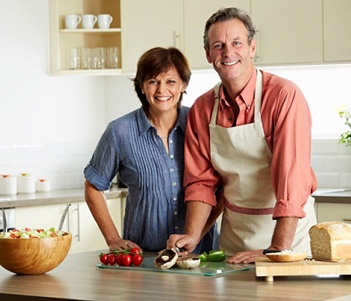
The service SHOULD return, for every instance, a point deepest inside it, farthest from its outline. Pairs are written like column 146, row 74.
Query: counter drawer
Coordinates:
column 333, row 212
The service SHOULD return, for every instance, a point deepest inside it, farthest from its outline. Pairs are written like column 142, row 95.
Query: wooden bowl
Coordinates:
column 283, row 257
column 33, row 256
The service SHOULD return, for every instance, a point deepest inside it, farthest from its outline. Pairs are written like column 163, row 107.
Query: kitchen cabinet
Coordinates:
column 63, row 40
column 148, row 24
column 337, row 30
column 86, row 235
column 334, row 212
column 195, row 17
column 288, row 32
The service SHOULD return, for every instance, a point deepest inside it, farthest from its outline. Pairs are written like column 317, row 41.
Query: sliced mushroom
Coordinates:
column 166, row 259
column 188, row 262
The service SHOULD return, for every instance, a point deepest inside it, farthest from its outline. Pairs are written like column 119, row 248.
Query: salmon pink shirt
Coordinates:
column 286, row 121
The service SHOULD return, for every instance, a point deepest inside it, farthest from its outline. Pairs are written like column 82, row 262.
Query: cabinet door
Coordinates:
column 38, row 217
column 148, row 24
column 86, row 235
column 337, row 30
column 334, row 212
column 289, row 32
column 196, row 14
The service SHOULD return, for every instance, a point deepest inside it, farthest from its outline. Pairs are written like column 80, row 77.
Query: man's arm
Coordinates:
column 282, row 239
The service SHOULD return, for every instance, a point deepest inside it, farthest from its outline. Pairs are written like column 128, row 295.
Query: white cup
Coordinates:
column 72, row 21
column 104, row 21
column 88, row 21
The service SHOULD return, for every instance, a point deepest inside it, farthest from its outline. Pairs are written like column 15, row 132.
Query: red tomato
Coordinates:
column 119, row 259
column 134, row 251
column 137, row 260
column 111, row 259
column 104, row 258
column 127, row 260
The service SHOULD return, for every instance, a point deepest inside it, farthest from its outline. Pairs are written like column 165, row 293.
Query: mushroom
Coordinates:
column 188, row 262
column 166, row 259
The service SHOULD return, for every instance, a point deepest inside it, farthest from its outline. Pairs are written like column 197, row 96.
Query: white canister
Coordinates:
column 25, row 183
column 42, row 185
column 8, row 185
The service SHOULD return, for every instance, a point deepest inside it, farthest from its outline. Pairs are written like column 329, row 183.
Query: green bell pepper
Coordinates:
column 213, row 256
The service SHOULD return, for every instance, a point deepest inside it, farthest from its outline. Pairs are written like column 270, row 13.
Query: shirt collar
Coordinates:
column 144, row 124
column 247, row 95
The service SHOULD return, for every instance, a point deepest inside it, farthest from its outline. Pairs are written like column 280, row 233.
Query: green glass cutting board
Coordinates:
column 205, row 268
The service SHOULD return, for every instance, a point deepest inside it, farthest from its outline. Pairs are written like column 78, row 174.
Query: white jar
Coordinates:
column 8, row 185
column 25, row 183
column 42, row 185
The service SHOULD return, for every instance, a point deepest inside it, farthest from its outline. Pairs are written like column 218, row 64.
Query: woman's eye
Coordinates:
column 171, row 82
column 152, row 82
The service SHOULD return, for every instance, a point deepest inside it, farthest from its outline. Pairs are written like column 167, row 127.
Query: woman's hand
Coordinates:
column 122, row 244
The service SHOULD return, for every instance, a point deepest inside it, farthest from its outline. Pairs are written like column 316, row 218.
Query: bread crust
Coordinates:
column 331, row 241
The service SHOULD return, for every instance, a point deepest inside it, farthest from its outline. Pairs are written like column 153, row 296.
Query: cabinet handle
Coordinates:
column 175, row 38
column 347, row 220
column 78, row 222
column 257, row 56
column 63, row 217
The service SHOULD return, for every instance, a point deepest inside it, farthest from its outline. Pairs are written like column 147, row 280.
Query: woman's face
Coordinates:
column 163, row 91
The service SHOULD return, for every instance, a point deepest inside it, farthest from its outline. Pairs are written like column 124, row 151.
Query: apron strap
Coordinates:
column 215, row 107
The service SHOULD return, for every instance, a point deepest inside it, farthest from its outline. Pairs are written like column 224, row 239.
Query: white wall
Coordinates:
column 49, row 126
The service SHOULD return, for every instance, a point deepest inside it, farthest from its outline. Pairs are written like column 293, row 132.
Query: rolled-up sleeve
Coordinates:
column 293, row 179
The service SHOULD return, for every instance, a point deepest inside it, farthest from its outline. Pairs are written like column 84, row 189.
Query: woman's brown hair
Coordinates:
column 158, row 60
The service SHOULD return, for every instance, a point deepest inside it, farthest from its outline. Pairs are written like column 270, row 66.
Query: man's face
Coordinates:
column 229, row 50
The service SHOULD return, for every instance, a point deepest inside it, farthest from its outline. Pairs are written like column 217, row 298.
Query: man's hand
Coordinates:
column 245, row 257
column 181, row 241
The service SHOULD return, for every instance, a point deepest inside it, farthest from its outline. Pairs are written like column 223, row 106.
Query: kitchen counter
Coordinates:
column 78, row 278
column 77, row 195
column 332, row 195
column 53, row 197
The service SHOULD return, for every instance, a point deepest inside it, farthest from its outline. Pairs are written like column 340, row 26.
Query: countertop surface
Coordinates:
column 77, row 195
column 53, row 197
column 78, row 278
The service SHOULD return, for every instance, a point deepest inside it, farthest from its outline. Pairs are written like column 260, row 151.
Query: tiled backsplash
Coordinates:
column 331, row 162
column 63, row 163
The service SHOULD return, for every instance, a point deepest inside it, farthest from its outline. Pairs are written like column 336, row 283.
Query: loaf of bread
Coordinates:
column 330, row 241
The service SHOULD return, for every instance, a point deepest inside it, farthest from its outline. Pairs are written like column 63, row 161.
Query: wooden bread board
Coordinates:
column 267, row 268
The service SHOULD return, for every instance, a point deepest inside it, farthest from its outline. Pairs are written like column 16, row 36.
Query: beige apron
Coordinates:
column 243, row 159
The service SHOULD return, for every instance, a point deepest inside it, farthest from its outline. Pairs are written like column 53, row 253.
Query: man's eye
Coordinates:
column 217, row 46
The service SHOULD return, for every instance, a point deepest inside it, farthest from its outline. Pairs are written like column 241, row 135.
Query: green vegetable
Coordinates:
column 216, row 256
column 203, row 257
column 213, row 256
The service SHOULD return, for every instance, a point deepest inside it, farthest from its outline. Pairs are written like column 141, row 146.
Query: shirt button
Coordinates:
column 171, row 156
column 175, row 212
column 174, row 199
column 176, row 227
column 174, row 184
column 170, row 141
column 171, row 170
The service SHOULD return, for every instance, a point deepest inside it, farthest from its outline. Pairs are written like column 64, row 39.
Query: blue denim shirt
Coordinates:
column 155, row 205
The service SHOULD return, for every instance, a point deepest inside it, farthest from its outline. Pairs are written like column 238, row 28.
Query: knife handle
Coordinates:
column 266, row 251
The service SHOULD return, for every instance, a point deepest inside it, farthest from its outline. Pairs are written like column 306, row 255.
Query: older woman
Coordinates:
column 146, row 148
